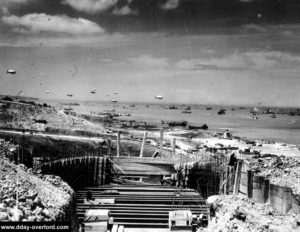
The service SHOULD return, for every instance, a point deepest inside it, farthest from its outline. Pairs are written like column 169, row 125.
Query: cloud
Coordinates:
column 125, row 10
column 267, row 60
column 170, row 5
column 149, row 61
column 255, row 28
column 6, row 4
column 12, row 2
column 91, row 6
column 47, row 23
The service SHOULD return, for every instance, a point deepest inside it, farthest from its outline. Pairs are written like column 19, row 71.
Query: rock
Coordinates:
column 297, row 219
column 238, row 214
column 212, row 199
column 38, row 210
column 46, row 212
column 23, row 167
column 17, row 214
column 27, row 212
column 39, row 218
column 31, row 218
column 32, row 194
column 37, row 200
column 3, row 216
column 3, row 207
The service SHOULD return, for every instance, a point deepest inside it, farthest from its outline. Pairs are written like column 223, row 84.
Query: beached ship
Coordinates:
column 203, row 127
column 178, row 123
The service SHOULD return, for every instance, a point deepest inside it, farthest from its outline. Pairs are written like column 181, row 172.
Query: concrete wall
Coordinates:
column 259, row 189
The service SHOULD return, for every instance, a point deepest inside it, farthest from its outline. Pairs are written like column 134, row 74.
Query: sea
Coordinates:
column 239, row 120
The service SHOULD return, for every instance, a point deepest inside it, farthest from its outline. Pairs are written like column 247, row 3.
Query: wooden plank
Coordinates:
column 161, row 142
column 160, row 207
column 118, row 143
column 140, row 189
column 237, row 177
column 109, row 146
column 143, row 144
column 249, row 184
column 121, row 228
column 114, row 228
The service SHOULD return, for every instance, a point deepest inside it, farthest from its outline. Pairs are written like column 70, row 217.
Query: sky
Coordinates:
column 240, row 52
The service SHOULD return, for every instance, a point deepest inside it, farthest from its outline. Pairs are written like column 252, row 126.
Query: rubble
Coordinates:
column 280, row 170
column 241, row 214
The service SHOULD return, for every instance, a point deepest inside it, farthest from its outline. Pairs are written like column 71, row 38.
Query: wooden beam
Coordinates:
column 143, row 144
column 161, row 141
column 249, row 184
column 237, row 178
column 173, row 146
column 109, row 147
column 118, row 143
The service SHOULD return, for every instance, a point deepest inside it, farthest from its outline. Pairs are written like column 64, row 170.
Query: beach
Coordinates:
column 283, row 128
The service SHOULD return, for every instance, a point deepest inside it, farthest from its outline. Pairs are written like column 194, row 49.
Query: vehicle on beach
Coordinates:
column 221, row 112
column 172, row 107
column 186, row 112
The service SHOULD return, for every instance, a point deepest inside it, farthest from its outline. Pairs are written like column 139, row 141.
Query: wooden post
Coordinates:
column 173, row 146
column 102, row 172
column 118, row 144
column 226, row 178
column 266, row 187
column 221, row 183
column 143, row 144
column 161, row 141
column 99, row 171
column 237, row 178
column 109, row 146
column 249, row 184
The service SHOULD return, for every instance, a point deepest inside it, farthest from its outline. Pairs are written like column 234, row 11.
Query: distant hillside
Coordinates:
column 20, row 97
column 32, row 115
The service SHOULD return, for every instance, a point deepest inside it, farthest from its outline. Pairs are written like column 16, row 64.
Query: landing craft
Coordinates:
column 159, row 97
column 70, row 95
column 11, row 71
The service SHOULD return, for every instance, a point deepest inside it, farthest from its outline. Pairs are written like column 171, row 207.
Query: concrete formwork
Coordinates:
column 261, row 190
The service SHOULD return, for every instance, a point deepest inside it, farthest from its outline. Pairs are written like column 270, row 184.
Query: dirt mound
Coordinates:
column 29, row 196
